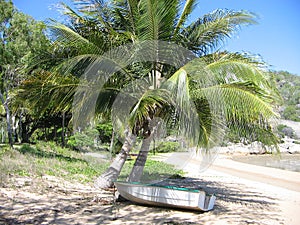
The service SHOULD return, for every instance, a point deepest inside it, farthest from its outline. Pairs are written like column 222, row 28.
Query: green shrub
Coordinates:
column 105, row 131
column 85, row 140
column 284, row 130
column 291, row 113
column 3, row 149
column 165, row 147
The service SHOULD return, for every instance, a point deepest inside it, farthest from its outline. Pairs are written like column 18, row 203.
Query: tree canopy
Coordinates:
column 119, row 52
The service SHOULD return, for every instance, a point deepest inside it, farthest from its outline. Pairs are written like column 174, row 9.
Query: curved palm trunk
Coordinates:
column 138, row 168
column 111, row 174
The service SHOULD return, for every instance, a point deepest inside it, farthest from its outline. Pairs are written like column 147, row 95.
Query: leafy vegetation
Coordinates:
column 22, row 38
column 84, row 141
column 168, row 146
column 285, row 131
column 289, row 88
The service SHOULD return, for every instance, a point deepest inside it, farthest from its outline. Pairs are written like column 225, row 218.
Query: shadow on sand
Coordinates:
column 235, row 204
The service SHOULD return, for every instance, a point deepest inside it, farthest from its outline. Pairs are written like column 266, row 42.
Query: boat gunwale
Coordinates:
column 169, row 187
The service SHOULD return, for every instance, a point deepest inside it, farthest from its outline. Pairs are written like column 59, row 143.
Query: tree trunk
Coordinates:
column 138, row 168
column 8, row 120
column 111, row 143
column 20, row 128
column 111, row 174
column 63, row 130
column 26, row 134
column 55, row 134
column 15, row 126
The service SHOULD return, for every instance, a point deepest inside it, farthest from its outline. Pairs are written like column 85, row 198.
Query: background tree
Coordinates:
column 21, row 39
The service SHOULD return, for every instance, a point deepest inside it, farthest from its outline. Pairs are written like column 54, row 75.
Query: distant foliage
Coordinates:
column 168, row 146
column 291, row 112
column 85, row 140
column 284, row 130
column 289, row 88
column 105, row 131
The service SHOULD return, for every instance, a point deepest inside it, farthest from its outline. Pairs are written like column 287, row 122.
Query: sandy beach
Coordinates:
column 246, row 194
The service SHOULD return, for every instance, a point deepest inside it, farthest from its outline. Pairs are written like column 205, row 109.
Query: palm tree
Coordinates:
column 99, row 26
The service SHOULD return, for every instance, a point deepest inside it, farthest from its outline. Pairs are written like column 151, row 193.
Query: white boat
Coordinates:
column 165, row 196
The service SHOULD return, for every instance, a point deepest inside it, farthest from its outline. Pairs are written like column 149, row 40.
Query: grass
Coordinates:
column 154, row 170
column 50, row 159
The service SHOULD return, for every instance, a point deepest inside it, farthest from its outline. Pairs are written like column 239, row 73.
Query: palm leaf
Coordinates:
column 233, row 101
column 187, row 10
column 235, row 67
column 185, row 111
column 212, row 29
column 69, row 38
column 156, row 19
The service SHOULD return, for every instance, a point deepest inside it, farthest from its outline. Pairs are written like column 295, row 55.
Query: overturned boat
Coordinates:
column 165, row 196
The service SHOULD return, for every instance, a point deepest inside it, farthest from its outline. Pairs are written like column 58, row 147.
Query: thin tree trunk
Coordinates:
column 55, row 134
column 2, row 135
column 138, row 168
column 63, row 130
column 20, row 127
column 111, row 143
column 15, row 126
column 8, row 120
column 112, row 173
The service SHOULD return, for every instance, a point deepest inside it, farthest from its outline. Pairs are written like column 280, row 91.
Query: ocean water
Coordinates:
column 283, row 161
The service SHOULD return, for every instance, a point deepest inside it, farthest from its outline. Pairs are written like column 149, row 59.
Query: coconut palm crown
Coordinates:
column 247, row 93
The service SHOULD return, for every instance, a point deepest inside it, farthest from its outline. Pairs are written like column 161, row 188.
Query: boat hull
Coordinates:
column 165, row 196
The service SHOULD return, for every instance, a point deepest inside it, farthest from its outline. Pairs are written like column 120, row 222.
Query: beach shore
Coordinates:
column 246, row 194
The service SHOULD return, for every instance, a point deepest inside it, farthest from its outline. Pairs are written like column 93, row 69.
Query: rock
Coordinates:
column 288, row 131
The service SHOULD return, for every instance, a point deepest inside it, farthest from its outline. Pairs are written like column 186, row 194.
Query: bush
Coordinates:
column 105, row 131
column 284, row 130
column 168, row 146
column 105, row 134
column 291, row 113
column 85, row 140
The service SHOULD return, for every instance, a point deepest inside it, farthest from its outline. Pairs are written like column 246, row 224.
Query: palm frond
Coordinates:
column 234, row 101
column 69, row 38
column 189, row 6
column 136, row 105
column 184, row 109
column 49, row 92
column 156, row 20
column 236, row 67
column 126, row 15
column 237, row 99
column 212, row 29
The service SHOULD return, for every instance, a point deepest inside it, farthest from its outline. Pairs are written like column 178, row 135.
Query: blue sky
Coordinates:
column 276, row 37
